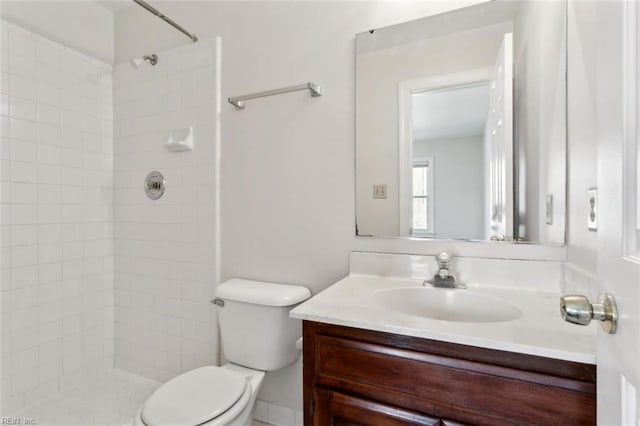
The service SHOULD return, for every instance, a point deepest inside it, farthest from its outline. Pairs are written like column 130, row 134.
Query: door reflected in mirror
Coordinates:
column 462, row 117
column 450, row 124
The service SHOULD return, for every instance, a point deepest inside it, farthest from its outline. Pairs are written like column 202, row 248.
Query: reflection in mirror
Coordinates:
column 462, row 117
column 457, row 141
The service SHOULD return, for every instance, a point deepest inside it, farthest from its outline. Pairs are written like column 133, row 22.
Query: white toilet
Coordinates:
column 257, row 336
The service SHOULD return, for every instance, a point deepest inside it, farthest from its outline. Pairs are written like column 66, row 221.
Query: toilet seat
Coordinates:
column 207, row 395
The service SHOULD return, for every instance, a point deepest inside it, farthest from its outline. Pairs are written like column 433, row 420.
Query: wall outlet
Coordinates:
column 592, row 217
column 379, row 191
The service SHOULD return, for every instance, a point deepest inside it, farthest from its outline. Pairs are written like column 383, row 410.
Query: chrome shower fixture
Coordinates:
column 152, row 59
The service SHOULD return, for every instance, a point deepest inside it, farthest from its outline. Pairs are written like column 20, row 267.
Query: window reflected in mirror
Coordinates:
column 422, row 198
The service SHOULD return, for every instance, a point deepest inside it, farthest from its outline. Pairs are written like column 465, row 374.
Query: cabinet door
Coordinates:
column 337, row 409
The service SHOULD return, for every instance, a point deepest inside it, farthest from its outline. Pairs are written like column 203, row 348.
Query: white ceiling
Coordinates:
column 450, row 113
column 115, row 6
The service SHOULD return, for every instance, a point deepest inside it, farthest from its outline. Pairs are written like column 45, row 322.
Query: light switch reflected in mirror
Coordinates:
column 463, row 117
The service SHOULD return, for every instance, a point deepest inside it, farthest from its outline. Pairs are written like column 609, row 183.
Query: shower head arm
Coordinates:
column 152, row 59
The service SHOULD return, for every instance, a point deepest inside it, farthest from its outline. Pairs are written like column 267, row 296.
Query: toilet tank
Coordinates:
column 254, row 322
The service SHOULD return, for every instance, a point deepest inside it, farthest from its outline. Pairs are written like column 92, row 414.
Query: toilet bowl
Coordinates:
column 204, row 396
column 257, row 335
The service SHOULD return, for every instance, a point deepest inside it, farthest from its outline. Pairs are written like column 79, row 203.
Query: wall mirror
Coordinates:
column 461, row 125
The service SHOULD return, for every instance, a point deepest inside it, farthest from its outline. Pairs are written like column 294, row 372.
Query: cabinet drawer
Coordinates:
column 338, row 409
column 450, row 387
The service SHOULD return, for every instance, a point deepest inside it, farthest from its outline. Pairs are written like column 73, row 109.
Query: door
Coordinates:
column 618, row 355
column 499, row 144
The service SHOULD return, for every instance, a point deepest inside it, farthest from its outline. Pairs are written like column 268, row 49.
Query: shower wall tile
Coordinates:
column 56, row 218
column 164, row 262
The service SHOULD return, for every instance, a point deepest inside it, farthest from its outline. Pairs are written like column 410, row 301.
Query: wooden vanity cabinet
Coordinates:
column 360, row 377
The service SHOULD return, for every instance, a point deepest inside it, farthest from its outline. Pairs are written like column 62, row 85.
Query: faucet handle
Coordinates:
column 443, row 259
column 443, row 278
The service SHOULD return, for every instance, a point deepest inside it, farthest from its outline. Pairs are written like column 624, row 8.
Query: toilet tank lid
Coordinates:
column 262, row 293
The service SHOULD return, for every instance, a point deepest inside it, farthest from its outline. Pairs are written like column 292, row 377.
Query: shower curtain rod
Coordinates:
column 166, row 19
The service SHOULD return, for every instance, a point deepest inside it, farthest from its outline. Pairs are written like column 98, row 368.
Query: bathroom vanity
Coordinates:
column 357, row 376
column 484, row 355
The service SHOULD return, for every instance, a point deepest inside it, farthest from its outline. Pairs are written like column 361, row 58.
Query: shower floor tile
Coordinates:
column 112, row 398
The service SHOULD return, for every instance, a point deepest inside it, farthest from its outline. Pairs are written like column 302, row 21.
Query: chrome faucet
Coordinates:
column 443, row 278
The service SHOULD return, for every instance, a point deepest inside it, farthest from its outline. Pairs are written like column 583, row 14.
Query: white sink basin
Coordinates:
column 446, row 304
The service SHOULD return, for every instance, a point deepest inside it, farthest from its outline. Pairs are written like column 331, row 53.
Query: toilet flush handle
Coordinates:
column 218, row 302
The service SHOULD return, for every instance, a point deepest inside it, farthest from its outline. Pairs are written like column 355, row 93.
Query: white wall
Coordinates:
column 57, row 215
column 287, row 162
column 164, row 249
column 539, row 114
column 80, row 24
column 582, row 142
column 459, row 172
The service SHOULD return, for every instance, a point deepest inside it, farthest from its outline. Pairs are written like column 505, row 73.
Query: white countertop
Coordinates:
column 539, row 331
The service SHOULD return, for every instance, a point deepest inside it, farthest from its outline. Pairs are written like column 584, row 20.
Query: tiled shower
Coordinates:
column 96, row 276
column 164, row 249
column 57, row 217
